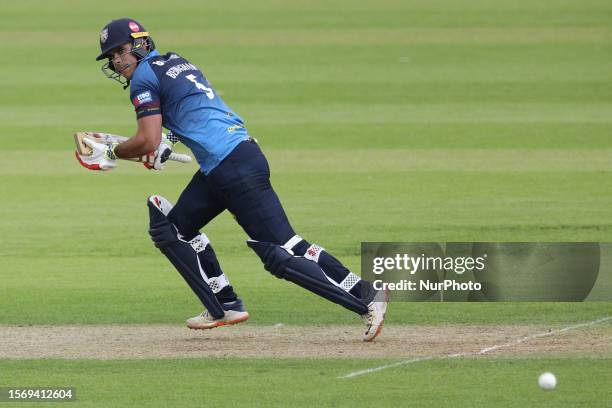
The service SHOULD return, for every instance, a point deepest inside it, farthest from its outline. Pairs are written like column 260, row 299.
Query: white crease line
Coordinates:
column 481, row 352
column 545, row 334
column 399, row 363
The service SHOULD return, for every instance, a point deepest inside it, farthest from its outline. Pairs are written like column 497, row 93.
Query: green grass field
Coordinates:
column 382, row 121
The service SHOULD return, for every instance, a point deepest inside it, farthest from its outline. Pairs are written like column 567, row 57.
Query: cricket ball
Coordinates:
column 547, row 381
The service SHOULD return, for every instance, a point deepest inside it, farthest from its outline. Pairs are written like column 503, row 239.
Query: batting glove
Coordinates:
column 160, row 156
column 102, row 158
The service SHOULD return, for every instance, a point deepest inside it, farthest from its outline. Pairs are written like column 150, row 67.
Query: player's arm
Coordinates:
column 146, row 140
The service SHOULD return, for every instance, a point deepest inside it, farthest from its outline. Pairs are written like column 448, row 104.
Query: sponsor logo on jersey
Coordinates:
column 104, row 35
column 133, row 26
column 142, row 98
column 234, row 128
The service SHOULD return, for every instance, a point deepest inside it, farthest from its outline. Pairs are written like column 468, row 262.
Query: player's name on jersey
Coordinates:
column 176, row 70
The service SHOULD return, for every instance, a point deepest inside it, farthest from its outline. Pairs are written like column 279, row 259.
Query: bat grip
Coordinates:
column 182, row 158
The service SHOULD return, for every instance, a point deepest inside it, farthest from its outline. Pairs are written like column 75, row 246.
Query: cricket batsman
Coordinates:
column 168, row 90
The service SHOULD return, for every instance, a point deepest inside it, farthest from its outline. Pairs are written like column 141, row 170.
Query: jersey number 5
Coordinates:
column 208, row 91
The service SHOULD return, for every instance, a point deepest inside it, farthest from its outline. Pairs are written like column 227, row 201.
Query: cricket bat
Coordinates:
column 108, row 138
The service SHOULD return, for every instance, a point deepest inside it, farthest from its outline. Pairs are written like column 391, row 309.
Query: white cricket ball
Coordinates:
column 547, row 381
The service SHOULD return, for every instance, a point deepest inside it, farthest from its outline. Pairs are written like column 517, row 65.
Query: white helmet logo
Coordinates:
column 104, row 35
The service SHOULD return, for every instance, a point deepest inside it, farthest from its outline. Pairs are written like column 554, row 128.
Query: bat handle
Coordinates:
column 182, row 158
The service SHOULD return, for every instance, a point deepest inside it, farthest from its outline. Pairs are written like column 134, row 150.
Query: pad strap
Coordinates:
column 293, row 241
column 199, row 243
column 350, row 281
column 218, row 282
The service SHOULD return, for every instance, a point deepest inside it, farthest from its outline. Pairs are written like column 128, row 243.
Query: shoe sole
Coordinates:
column 220, row 323
column 382, row 322
column 380, row 326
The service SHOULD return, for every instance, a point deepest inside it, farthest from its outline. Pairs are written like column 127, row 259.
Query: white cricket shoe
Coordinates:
column 206, row 321
column 375, row 318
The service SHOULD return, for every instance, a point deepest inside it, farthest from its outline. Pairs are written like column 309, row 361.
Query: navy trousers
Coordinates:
column 240, row 184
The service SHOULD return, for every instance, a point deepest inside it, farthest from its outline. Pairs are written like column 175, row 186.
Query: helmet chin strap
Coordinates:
column 127, row 83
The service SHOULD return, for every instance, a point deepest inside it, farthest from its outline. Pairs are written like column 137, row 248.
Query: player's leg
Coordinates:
column 244, row 181
column 194, row 209
column 336, row 273
column 178, row 237
column 346, row 280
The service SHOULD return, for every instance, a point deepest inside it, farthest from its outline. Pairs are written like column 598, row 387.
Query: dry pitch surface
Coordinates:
column 163, row 341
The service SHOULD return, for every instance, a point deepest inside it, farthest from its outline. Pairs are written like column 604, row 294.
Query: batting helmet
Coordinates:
column 121, row 31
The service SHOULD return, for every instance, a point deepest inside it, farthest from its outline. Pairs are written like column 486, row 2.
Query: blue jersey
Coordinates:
column 175, row 88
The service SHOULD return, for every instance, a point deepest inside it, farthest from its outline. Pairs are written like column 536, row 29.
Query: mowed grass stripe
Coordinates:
column 496, row 65
column 353, row 161
column 389, row 13
column 312, row 93
column 280, row 57
column 503, row 382
column 92, row 115
column 29, row 137
column 296, row 37
column 147, row 290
